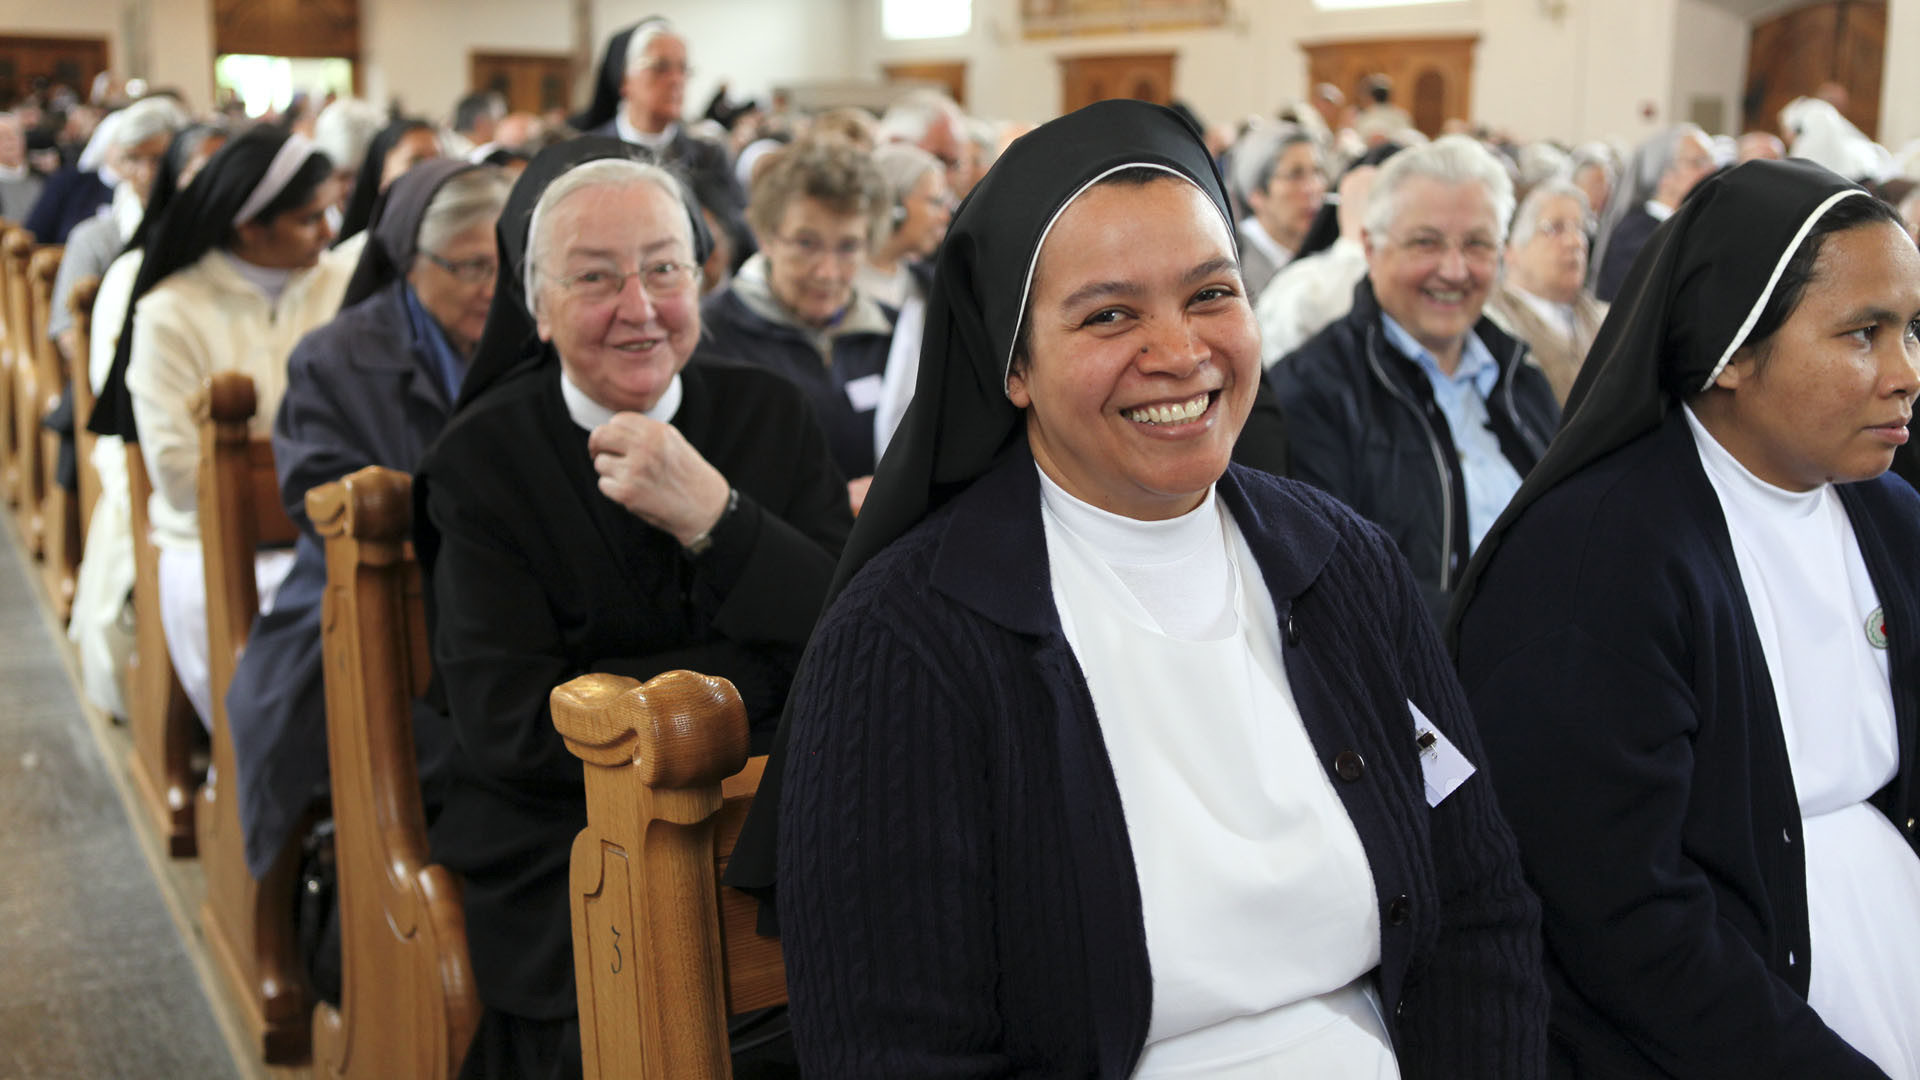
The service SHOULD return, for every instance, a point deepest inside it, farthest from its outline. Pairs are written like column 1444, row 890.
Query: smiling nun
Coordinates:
column 1106, row 761
column 1689, row 643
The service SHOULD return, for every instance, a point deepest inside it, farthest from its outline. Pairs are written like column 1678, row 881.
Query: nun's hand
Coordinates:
column 650, row 468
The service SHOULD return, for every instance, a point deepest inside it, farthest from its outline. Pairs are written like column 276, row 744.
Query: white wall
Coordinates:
column 1594, row 71
column 1714, row 63
column 417, row 51
column 1900, row 85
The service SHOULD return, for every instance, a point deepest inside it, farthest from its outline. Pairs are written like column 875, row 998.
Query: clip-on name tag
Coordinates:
column 1443, row 767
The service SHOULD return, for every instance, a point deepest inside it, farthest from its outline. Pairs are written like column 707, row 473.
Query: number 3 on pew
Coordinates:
column 618, row 960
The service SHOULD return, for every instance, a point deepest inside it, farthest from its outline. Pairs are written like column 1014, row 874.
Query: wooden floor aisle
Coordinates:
column 102, row 972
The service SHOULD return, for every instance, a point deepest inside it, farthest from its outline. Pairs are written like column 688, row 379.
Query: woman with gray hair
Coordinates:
column 898, row 271
column 603, row 500
column 1277, row 174
column 74, row 195
column 1658, row 177
column 1542, row 297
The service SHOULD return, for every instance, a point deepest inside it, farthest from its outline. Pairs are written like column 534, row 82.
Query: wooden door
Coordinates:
column 1794, row 53
column 62, row 61
column 1432, row 77
column 310, row 28
column 949, row 75
column 1087, row 79
column 531, row 82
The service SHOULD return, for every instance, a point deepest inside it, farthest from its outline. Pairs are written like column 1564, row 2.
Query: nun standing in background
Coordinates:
column 1107, row 758
column 235, row 274
column 1690, row 642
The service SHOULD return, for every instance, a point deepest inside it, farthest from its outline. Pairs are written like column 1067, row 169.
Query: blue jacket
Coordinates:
column 957, row 891
column 1362, row 425
column 1623, row 694
column 69, row 198
column 360, row 391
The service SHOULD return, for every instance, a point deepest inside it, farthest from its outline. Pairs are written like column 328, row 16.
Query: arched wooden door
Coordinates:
column 1432, row 77
column 1794, row 53
column 1087, row 79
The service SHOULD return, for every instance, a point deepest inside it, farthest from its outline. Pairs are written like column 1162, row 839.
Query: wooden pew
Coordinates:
column 9, row 334
column 9, row 343
column 662, row 952
column 80, row 301
column 16, row 251
column 164, row 726
column 59, row 508
column 248, row 923
column 408, row 1003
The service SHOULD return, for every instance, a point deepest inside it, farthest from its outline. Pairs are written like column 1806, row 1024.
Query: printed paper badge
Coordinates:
column 1442, row 767
column 1877, row 628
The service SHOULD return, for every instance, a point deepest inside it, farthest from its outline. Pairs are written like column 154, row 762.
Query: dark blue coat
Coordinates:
column 958, row 896
column 1362, row 425
column 360, row 391
column 69, row 198
column 1620, row 685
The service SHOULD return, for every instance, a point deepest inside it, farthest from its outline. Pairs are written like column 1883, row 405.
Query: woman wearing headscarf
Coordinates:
column 598, row 503
column 101, row 628
column 372, row 387
column 1107, row 759
column 400, row 146
column 1689, row 644
column 1657, row 179
column 234, row 276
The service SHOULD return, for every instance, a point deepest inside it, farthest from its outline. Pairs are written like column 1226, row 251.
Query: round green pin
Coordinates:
column 1877, row 628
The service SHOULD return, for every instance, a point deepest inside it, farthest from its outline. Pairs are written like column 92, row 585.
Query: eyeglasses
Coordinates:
column 1555, row 228
column 812, row 248
column 466, row 271
column 659, row 280
column 1478, row 249
column 664, row 68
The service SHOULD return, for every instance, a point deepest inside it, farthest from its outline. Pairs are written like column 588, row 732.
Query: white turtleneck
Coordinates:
column 655, row 141
column 1177, row 569
column 271, row 281
column 1818, row 615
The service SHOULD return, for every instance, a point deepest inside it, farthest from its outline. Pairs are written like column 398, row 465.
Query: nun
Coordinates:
column 1110, row 758
column 603, row 500
column 234, row 276
column 398, row 147
column 1657, row 179
column 372, row 387
column 101, row 627
column 1689, row 642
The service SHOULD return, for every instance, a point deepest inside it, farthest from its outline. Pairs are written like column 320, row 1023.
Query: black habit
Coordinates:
column 537, row 578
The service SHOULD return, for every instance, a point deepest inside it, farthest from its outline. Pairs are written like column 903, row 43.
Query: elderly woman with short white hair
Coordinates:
column 603, row 500
column 1542, row 297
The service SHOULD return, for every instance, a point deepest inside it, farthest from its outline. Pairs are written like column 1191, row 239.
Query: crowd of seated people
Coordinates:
column 1303, row 599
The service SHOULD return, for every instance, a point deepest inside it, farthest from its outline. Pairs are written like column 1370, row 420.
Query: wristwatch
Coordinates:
column 698, row 546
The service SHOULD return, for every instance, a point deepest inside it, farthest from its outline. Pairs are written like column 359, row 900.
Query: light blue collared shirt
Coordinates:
column 1462, row 398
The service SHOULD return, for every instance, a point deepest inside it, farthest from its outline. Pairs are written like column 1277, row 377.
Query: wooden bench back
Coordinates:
column 408, row 1003
column 662, row 952
column 161, row 719
column 59, row 508
column 248, row 922
column 80, row 302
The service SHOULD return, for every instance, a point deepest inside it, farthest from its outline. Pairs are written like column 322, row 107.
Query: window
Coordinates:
column 901, row 19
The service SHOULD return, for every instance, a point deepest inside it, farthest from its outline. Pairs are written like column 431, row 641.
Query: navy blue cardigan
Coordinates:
column 1621, row 689
column 958, row 893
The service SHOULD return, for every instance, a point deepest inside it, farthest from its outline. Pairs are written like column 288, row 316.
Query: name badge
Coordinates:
column 1442, row 766
column 863, row 393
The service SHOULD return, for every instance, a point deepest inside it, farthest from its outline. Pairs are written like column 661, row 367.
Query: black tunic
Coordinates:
column 537, row 578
